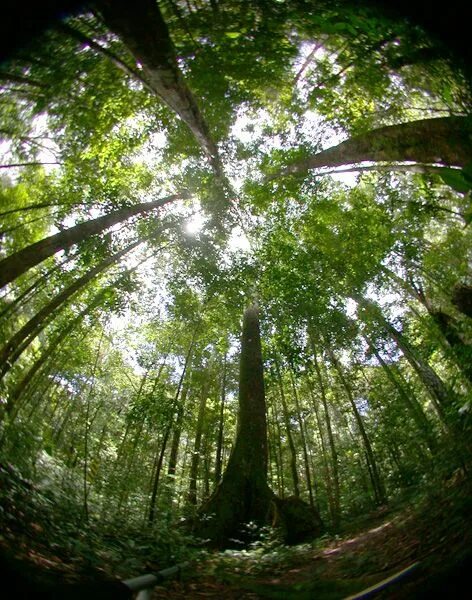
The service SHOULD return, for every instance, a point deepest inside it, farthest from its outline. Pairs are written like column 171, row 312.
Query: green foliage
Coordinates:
column 101, row 408
column 460, row 181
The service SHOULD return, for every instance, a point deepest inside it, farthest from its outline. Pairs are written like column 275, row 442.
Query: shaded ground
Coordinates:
column 440, row 538
column 436, row 531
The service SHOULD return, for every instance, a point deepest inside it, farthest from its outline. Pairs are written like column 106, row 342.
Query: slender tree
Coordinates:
column 20, row 262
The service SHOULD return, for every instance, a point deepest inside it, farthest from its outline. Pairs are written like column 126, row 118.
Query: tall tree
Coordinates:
column 444, row 140
column 145, row 33
column 20, row 262
column 244, row 495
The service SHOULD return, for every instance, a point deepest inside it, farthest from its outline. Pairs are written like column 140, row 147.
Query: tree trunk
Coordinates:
column 288, row 429
column 192, row 491
column 442, row 399
column 279, row 457
column 160, row 458
column 303, row 440
column 18, row 263
column 88, row 425
column 446, row 328
column 157, row 472
column 219, row 443
column 336, row 511
column 459, row 351
column 17, row 392
column 243, row 495
column 462, row 298
column 21, row 340
column 174, row 448
column 444, row 140
column 142, row 29
column 37, row 285
column 128, row 467
column 377, row 485
column 333, row 510
column 410, row 404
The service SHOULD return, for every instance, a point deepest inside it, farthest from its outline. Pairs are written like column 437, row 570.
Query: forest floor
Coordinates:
column 434, row 530
column 435, row 534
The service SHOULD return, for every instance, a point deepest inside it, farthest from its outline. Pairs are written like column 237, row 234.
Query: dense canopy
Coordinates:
column 170, row 167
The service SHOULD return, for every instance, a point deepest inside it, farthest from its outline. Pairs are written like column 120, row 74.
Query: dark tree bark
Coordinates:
column 244, row 495
column 18, row 263
column 142, row 29
column 462, row 298
column 445, row 140
column 461, row 351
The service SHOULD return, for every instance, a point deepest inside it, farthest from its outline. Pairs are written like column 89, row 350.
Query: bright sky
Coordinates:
column 248, row 128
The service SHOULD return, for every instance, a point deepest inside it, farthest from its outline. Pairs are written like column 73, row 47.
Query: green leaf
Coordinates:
column 456, row 179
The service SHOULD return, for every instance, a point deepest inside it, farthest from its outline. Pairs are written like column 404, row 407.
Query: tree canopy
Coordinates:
column 170, row 166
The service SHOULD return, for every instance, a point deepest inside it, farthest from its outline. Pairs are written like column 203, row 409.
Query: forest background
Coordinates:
column 312, row 159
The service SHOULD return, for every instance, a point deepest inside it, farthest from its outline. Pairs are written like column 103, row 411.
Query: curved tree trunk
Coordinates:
column 21, row 340
column 446, row 325
column 18, row 391
column 410, row 403
column 441, row 397
column 142, row 29
column 444, row 140
column 18, row 263
column 15, row 395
